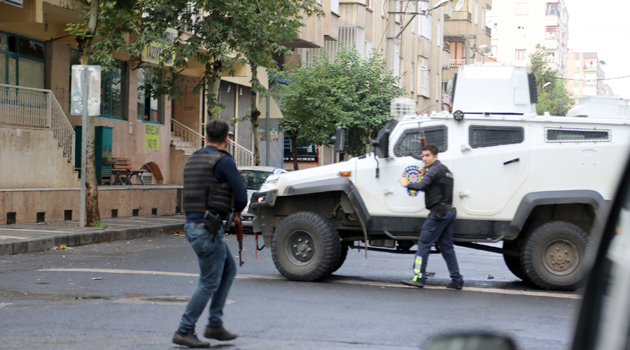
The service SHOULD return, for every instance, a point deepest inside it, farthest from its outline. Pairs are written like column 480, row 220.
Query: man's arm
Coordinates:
column 430, row 177
column 225, row 170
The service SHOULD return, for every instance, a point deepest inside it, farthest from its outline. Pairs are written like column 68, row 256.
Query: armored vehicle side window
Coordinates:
column 577, row 135
column 487, row 136
column 410, row 141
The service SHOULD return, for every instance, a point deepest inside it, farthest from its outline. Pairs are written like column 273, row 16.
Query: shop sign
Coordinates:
column 152, row 53
column 152, row 137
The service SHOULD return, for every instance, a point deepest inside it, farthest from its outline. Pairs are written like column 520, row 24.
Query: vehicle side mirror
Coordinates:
column 340, row 139
column 470, row 341
column 381, row 145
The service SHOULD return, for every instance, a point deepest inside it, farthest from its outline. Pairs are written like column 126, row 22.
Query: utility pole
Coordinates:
column 467, row 49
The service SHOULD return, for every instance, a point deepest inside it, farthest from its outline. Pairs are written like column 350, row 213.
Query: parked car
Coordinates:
column 253, row 177
column 604, row 319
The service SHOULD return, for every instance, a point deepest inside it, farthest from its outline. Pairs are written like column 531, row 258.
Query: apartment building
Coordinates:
column 39, row 137
column 585, row 76
column 518, row 26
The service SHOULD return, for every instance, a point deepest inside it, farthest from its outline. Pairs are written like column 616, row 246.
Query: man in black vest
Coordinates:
column 212, row 188
column 437, row 184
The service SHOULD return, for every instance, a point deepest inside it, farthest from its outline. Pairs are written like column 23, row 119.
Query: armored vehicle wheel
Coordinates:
column 306, row 247
column 344, row 254
column 553, row 256
column 513, row 263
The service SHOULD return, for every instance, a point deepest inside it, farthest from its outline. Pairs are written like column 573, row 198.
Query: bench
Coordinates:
column 122, row 172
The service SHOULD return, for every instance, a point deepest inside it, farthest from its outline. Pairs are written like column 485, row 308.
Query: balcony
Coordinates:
column 488, row 31
column 456, row 62
column 461, row 16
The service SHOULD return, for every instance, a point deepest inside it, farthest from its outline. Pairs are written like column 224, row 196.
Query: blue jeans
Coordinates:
column 217, row 271
column 442, row 232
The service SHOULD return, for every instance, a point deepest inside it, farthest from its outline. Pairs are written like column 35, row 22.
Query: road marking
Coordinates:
column 26, row 230
column 7, row 237
column 365, row 283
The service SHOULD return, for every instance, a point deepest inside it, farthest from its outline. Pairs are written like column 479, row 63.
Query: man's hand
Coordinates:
column 403, row 182
column 421, row 172
column 237, row 219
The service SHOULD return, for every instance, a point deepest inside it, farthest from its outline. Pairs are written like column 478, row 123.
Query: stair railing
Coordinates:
column 187, row 134
column 24, row 106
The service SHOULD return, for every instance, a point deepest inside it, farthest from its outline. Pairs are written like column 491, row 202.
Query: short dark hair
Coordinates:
column 431, row 148
column 217, row 130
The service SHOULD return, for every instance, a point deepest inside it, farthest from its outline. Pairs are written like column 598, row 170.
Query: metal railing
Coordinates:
column 24, row 106
column 456, row 62
column 242, row 155
column 187, row 134
column 461, row 15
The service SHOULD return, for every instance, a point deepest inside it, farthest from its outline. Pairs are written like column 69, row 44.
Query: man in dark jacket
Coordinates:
column 437, row 184
column 212, row 189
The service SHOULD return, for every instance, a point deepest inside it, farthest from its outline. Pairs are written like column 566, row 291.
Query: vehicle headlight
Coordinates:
column 270, row 184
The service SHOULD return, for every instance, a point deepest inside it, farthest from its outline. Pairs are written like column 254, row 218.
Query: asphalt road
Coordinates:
column 131, row 294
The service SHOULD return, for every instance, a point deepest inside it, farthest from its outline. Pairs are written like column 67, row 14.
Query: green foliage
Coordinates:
column 79, row 30
column 98, row 224
column 554, row 97
column 350, row 91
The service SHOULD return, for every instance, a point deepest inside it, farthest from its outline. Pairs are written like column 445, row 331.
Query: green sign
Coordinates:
column 152, row 137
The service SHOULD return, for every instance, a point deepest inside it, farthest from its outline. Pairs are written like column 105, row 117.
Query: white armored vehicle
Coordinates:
column 536, row 183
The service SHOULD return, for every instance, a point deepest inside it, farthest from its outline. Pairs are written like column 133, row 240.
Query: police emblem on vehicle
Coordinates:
column 412, row 176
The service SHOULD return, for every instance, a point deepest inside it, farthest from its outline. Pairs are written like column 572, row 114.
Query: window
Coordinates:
column 424, row 22
column 149, row 107
column 550, row 56
column 577, row 135
column 413, row 77
column 476, row 13
column 439, row 34
column 424, row 75
column 551, row 32
column 22, row 61
column 521, row 8
column 487, row 136
column 113, row 92
column 493, row 53
column 411, row 143
column 519, row 54
column 552, row 9
column 437, row 87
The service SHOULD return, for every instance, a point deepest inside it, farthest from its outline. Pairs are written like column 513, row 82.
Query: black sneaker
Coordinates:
column 219, row 333
column 454, row 286
column 413, row 283
column 190, row 340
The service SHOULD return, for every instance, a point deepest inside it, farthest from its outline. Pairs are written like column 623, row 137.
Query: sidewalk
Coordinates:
column 26, row 238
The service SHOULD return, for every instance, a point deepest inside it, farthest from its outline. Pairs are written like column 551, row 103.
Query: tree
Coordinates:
column 84, row 34
column 351, row 91
column 554, row 97
column 269, row 25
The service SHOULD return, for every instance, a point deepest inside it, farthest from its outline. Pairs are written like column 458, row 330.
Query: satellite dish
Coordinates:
column 449, row 86
column 459, row 5
column 484, row 48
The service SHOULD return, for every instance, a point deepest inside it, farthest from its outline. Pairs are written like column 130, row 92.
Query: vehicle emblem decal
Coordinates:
column 412, row 176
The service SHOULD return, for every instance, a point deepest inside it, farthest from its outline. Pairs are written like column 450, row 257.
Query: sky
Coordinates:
column 603, row 26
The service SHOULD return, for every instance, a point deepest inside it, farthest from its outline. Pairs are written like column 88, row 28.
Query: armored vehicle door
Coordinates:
column 492, row 167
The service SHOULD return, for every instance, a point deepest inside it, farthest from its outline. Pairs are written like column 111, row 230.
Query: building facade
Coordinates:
column 517, row 26
column 585, row 76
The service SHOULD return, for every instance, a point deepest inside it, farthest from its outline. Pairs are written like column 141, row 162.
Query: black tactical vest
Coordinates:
column 202, row 191
column 441, row 190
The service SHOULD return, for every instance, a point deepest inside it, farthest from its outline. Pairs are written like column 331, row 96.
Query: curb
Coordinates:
column 38, row 244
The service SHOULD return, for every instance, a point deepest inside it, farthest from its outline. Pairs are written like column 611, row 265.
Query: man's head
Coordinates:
column 429, row 154
column 217, row 133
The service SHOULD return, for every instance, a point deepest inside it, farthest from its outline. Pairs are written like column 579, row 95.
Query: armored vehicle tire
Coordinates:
column 306, row 247
column 344, row 254
column 553, row 255
column 513, row 263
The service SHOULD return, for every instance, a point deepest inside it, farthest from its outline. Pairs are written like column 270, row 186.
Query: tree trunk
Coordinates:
column 294, row 151
column 213, row 70
column 254, row 117
column 92, row 213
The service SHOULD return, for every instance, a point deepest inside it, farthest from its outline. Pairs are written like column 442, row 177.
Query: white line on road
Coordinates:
column 25, row 230
column 366, row 283
column 7, row 237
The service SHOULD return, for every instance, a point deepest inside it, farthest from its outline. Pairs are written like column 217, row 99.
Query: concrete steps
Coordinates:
column 181, row 145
